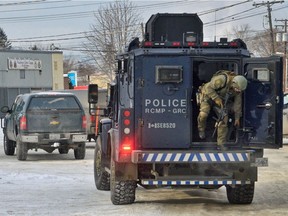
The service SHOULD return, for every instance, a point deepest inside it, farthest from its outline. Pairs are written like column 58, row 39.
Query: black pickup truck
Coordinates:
column 45, row 120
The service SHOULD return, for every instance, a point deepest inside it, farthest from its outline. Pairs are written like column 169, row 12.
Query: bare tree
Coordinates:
column 69, row 64
column 258, row 43
column 116, row 24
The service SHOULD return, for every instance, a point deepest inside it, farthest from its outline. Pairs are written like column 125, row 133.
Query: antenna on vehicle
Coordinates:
column 215, row 26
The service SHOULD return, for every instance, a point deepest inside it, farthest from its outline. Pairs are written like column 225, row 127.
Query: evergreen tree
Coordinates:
column 4, row 42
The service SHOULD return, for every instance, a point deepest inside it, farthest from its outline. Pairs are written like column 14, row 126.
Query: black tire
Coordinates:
column 9, row 146
column 79, row 153
column 240, row 194
column 63, row 150
column 122, row 192
column 101, row 176
column 21, row 149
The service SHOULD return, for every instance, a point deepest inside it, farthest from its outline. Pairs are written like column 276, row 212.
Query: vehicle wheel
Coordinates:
column 9, row 146
column 240, row 194
column 79, row 152
column 63, row 150
column 21, row 149
column 101, row 176
column 122, row 192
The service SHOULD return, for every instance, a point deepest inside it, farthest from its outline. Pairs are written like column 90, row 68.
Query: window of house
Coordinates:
column 22, row 74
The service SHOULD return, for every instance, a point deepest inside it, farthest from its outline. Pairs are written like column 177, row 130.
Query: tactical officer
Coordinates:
column 223, row 85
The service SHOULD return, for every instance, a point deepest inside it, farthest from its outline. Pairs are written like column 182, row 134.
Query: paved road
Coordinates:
column 53, row 184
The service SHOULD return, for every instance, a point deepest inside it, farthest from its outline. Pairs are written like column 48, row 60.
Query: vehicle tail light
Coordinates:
column 126, row 146
column 92, row 118
column 84, row 122
column 23, row 123
column 127, row 136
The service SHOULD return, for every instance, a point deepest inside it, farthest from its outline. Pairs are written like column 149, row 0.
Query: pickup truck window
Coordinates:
column 53, row 103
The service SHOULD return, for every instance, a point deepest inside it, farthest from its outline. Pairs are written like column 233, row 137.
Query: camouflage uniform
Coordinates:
column 219, row 86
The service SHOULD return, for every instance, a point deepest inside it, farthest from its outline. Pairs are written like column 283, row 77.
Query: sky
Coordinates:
column 64, row 22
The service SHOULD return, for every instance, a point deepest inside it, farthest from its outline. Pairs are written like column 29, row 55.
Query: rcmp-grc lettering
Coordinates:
column 165, row 103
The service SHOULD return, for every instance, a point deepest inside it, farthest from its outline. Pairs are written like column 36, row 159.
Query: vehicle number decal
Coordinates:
column 161, row 125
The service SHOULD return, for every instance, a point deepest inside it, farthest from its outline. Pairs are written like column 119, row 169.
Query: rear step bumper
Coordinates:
column 190, row 157
column 193, row 182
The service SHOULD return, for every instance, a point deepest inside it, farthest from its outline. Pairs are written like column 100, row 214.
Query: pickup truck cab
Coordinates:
column 45, row 120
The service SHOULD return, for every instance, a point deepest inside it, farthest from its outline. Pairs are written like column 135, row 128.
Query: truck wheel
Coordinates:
column 21, row 149
column 101, row 176
column 240, row 194
column 79, row 152
column 9, row 146
column 122, row 192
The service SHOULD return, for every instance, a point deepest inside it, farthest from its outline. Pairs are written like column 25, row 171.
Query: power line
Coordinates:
column 40, row 39
column 269, row 4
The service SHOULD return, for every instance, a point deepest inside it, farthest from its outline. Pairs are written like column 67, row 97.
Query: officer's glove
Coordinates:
column 237, row 123
column 218, row 101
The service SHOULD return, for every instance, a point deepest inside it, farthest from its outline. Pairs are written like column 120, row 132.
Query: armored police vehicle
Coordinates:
column 150, row 137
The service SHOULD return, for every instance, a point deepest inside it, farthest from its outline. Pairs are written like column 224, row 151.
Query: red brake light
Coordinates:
column 192, row 44
column 177, row 44
column 148, row 44
column 126, row 122
column 92, row 118
column 205, row 43
column 127, row 113
column 23, row 123
column 84, row 122
column 233, row 44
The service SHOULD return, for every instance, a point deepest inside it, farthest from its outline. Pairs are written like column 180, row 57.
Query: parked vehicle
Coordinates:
column 45, row 120
column 150, row 135
column 92, row 120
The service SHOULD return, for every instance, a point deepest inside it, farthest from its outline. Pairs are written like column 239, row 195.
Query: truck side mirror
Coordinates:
column 5, row 109
column 93, row 93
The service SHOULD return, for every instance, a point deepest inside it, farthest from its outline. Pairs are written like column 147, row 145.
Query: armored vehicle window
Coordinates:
column 261, row 74
column 168, row 74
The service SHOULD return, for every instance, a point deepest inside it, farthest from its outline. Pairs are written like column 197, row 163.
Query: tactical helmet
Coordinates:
column 240, row 81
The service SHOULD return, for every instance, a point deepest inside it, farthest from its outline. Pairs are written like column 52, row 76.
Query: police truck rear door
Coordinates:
column 163, row 106
column 263, row 102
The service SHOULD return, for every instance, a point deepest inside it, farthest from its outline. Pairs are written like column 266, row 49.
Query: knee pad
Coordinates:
column 202, row 116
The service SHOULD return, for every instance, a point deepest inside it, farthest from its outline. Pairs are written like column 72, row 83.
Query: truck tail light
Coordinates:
column 126, row 146
column 127, row 135
column 84, row 122
column 92, row 118
column 23, row 123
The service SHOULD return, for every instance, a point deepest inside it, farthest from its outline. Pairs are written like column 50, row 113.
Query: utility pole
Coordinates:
column 285, row 27
column 283, row 39
column 268, row 4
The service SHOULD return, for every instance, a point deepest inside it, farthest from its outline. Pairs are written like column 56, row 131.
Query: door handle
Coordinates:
column 266, row 105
